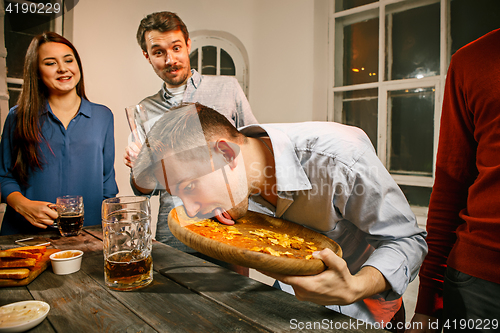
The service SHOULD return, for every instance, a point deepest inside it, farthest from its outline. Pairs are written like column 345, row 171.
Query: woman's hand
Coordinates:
column 335, row 285
column 37, row 213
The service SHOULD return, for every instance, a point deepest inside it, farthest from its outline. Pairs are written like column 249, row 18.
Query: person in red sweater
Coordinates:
column 460, row 277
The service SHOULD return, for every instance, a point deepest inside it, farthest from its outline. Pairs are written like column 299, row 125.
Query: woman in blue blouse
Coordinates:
column 55, row 142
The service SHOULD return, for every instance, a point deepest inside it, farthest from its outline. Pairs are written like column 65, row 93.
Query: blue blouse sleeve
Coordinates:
column 110, row 189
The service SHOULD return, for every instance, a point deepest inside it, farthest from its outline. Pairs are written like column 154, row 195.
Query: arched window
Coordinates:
column 219, row 53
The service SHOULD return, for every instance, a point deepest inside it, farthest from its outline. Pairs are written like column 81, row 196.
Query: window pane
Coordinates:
column 226, row 64
column 471, row 20
column 193, row 59
column 411, row 131
column 361, row 52
column 415, row 43
column 416, row 195
column 359, row 108
column 20, row 28
column 209, row 60
column 348, row 4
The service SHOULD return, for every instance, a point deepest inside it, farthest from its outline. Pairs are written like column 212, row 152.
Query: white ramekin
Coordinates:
column 66, row 262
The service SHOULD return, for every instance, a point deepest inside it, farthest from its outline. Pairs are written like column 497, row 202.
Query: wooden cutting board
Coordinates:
column 39, row 267
column 178, row 219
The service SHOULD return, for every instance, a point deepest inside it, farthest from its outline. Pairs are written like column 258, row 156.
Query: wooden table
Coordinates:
column 188, row 294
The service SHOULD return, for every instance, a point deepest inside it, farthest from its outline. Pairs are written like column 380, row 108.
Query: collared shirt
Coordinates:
column 80, row 161
column 221, row 93
column 330, row 179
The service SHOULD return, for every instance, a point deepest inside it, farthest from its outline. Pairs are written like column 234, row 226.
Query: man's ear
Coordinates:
column 146, row 55
column 229, row 151
column 188, row 45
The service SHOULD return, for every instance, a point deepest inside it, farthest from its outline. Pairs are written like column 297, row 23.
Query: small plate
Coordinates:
column 22, row 316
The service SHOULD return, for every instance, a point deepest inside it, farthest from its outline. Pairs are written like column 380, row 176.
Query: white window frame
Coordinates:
column 231, row 44
column 358, row 14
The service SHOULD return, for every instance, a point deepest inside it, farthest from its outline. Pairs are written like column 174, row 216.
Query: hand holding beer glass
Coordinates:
column 127, row 236
column 140, row 123
column 71, row 214
column 134, row 113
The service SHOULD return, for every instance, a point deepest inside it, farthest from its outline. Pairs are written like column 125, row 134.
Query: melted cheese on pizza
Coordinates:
column 258, row 239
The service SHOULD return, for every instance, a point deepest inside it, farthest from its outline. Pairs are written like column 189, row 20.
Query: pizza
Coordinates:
column 257, row 236
column 256, row 240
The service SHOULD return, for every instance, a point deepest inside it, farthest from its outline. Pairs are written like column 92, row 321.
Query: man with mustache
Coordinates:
column 165, row 43
column 323, row 175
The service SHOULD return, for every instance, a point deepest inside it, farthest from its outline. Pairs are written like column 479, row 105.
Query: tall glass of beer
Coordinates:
column 127, row 237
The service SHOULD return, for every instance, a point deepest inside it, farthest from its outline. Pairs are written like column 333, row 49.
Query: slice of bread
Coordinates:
column 14, row 273
column 15, row 262
column 32, row 249
column 19, row 254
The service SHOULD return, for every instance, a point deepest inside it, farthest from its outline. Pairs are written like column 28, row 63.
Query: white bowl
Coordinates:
column 22, row 316
column 66, row 262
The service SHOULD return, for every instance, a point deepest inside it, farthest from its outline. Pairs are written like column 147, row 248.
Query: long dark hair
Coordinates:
column 32, row 101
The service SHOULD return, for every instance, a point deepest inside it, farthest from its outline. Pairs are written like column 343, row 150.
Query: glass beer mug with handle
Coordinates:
column 127, row 237
column 71, row 214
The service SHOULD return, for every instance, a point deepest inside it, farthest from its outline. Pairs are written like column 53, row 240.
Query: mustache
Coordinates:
column 173, row 68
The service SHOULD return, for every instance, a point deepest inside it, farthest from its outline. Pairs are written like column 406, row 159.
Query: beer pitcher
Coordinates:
column 127, row 237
